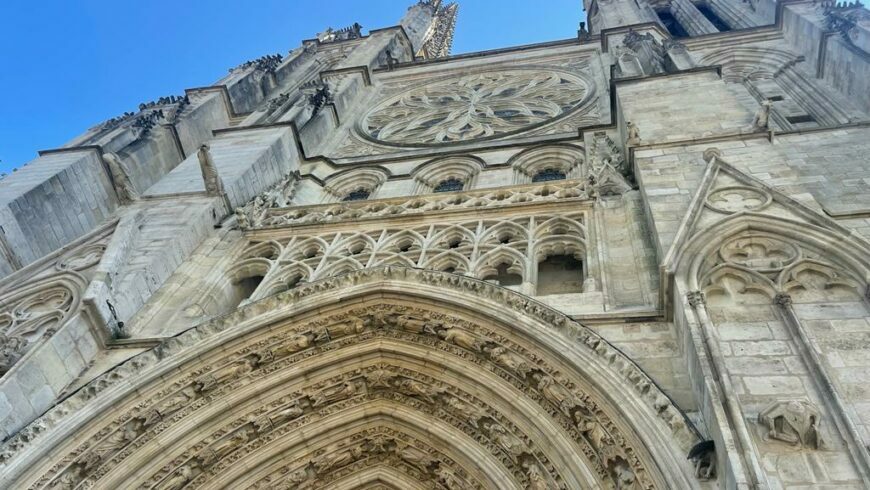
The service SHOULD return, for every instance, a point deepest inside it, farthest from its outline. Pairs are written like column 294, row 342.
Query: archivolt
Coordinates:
column 447, row 380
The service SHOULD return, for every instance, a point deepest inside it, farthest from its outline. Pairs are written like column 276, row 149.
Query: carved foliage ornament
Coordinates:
column 476, row 106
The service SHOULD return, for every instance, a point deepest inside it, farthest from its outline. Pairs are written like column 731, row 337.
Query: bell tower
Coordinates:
column 430, row 25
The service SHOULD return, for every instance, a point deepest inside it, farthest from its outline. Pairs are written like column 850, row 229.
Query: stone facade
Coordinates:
column 635, row 259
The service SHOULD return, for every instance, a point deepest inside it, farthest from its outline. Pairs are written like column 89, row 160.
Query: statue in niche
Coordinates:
column 338, row 458
column 461, row 338
column 294, row 344
column 794, row 422
column 337, row 393
column 220, row 449
column 415, row 457
column 620, row 471
column 537, row 481
column 179, row 479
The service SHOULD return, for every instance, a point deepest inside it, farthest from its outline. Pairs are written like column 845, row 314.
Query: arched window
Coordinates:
column 503, row 276
column 357, row 195
column 560, row 274
column 449, row 185
column 549, row 174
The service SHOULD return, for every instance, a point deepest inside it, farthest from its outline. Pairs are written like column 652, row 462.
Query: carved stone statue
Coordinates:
column 337, row 458
column 762, row 116
column 415, row 457
column 469, row 412
column 507, row 441
column 332, row 394
column 294, row 344
column 537, row 480
column 554, row 392
column 794, row 422
column 11, row 350
column 179, row 479
column 633, row 134
column 225, row 446
column 509, row 360
column 461, row 338
column 449, row 479
column 214, row 186
column 172, row 404
column 230, row 372
column 120, row 178
column 411, row 387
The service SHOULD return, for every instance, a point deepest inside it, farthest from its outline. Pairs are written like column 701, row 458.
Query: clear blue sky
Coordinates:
column 70, row 64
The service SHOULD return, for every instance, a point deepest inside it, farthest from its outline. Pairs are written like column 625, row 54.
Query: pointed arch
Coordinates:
column 487, row 263
column 509, row 390
column 564, row 158
column 448, row 261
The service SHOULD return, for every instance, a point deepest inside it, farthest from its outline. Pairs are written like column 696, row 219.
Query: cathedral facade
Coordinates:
column 634, row 259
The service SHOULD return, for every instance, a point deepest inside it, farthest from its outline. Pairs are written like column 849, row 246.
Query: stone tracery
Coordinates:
column 467, row 247
column 475, row 106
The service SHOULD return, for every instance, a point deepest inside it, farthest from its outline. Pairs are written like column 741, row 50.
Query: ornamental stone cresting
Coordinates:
column 634, row 259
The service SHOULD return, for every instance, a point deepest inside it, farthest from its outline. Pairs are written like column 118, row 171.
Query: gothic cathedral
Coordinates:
column 634, row 259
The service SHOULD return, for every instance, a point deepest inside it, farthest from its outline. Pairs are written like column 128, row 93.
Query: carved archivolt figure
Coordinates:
column 461, row 338
column 335, row 393
column 794, row 422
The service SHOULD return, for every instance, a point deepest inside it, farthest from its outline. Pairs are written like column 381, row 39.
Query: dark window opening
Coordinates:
column 714, row 19
column 293, row 282
column 549, row 174
column 801, row 119
column 560, row 274
column 672, row 24
column 242, row 290
column 454, row 243
column 449, row 185
column 776, row 98
column 503, row 277
column 405, row 246
column 357, row 195
column 450, row 270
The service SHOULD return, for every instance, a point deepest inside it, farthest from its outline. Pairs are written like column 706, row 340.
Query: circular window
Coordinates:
column 475, row 106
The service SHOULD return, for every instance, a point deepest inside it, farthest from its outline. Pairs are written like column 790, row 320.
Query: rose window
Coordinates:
column 475, row 106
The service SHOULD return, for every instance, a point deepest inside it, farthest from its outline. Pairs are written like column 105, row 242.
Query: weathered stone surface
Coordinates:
column 567, row 265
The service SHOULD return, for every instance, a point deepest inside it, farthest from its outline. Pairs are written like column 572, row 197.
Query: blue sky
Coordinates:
column 70, row 64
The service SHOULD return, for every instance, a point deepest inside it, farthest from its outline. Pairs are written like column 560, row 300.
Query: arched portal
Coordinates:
column 393, row 376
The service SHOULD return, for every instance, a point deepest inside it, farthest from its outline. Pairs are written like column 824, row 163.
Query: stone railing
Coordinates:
column 381, row 208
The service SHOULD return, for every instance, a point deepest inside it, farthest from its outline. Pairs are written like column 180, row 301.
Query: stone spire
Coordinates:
column 430, row 25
